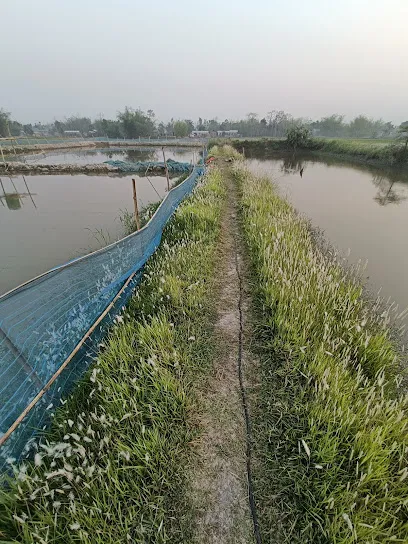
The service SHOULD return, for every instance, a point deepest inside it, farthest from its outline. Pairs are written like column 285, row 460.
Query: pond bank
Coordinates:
column 97, row 169
column 20, row 149
column 371, row 153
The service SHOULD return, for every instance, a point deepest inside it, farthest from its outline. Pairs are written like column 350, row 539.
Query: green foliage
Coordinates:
column 331, row 126
column 298, row 137
column 109, row 128
column 4, row 119
column 135, row 123
column 403, row 133
column 377, row 151
column 82, row 124
column 113, row 466
column 180, row 129
column 331, row 420
column 28, row 129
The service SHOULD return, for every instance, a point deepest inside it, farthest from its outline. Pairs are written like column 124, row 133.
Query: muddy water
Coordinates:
column 364, row 210
column 48, row 220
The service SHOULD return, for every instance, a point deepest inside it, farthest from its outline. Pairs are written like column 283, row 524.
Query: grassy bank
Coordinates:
column 376, row 152
column 111, row 469
column 330, row 420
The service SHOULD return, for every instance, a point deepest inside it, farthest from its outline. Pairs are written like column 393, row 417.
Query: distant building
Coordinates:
column 227, row 133
column 200, row 134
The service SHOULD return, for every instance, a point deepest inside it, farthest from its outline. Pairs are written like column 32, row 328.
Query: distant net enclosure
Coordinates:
column 173, row 167
column 42, row 322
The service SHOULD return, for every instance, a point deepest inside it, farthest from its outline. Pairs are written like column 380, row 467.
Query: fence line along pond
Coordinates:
column 46, row 220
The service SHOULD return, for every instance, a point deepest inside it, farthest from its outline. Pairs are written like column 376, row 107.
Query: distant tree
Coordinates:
column 108, row 128
column 331, row 126
column 226, row 125
column 279, row 123
column 180, row 129
column 161, row 129
column 190, row 125
column 28, row 129
column 136, row 123
column 213, row 125
column 59, row 127
column 403, row 134
column 387, row 129
column 82, row 124
column 361, row 127
column 200, row 124
column 298, row 136
column 4, row 119
column 15, row 128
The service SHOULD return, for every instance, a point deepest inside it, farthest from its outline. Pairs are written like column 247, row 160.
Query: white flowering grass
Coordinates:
column 331, row 423
column 111, row 468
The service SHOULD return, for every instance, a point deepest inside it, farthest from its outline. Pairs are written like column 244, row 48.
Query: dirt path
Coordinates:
column 219, row 481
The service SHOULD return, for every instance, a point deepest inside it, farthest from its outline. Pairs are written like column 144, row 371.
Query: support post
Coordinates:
column 243, row 151
column 137, row 218
column 2, row 154
column 166, row 169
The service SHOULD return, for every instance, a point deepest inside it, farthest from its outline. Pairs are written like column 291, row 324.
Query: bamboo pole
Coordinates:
column 137, row 218
column 166, row 169
column 2, row 154
column 28, row 409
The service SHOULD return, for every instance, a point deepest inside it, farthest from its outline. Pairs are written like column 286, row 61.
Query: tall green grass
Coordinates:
column 111, row 469
column 369, row 150
column 331, row 422
column 374, row 151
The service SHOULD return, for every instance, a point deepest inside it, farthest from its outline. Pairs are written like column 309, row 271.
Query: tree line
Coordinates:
column 135, row 123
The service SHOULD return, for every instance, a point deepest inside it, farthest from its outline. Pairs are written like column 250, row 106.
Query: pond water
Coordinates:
column 98, row 156
column 359, row 208
column 48, row 220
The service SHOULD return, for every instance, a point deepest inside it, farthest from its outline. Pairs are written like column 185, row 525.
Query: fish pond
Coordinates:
column 46, row 220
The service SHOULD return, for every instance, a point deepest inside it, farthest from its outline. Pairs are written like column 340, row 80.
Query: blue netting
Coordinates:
column 174, row 167
column 42, row 322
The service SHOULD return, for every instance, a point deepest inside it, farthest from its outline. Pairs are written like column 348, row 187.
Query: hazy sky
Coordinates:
column 187, row 59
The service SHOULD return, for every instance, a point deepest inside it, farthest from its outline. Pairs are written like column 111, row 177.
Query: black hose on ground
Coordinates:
column 248, row 426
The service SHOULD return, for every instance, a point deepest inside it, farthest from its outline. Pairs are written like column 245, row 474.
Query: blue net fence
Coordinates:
column 42, row 322
column 174, row 167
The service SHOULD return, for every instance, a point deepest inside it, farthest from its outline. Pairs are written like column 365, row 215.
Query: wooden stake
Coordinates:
column 243, row 151
column 166, row 169
column 137, row 219
column 2, row 155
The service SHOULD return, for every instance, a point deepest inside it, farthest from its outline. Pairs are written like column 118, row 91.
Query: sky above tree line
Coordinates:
column 215, row 59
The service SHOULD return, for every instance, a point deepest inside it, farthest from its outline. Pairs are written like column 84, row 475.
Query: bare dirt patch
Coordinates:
column 218, row 480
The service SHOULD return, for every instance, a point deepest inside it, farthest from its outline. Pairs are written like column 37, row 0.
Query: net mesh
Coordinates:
column 42, row 321
column 174, row 167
